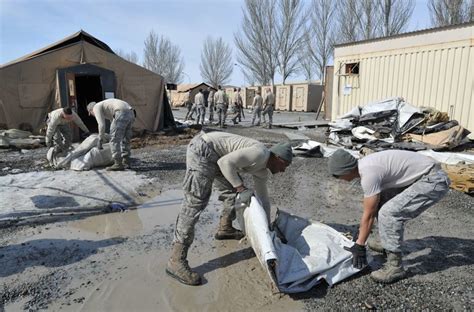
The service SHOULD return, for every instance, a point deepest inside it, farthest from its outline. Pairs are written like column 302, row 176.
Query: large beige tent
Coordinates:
column 73, row 72
column 185, row 91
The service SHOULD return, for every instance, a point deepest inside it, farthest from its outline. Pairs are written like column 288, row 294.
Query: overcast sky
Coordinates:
column 28, row 25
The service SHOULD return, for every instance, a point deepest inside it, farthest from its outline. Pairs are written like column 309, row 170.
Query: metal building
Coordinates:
column 306, row 97
column 283, row 98
column 432, row 67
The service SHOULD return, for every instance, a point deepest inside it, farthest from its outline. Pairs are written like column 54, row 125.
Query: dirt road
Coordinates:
column 116, row 261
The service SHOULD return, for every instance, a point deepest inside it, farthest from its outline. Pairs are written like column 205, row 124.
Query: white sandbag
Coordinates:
column 259, row 236
column 4, row 142
column 84, row 157
column 15, row 133
column 313, row 251
column 93, row 158
column 80, row 150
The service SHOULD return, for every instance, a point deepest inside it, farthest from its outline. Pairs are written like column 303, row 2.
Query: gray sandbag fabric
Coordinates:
column 283, row 150
column 341, row 163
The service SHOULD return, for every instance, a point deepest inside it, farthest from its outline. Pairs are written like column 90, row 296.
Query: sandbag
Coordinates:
column 93, row 158
column 84, row 157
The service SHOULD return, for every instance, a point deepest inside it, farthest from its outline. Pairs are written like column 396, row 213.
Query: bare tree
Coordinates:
column 450, row 12
column 321, row 34
column 216, row 62
column 131, row 57
column 257, row 44
column 307, row 65
column 163, row 57
column 290, row 35
column 347, row 21
column 395, row 15
column 368, row 21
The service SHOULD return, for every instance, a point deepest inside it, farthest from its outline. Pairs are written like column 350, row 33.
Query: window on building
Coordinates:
column 352, row 68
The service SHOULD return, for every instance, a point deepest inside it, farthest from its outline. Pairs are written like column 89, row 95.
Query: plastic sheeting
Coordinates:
column 449, row 158
column 405, row 110
column 311, row 251
column 325, row 149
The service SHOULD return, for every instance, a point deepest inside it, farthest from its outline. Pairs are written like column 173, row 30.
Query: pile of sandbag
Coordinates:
column 14, row 138
column 395, row 124
column 84, row 157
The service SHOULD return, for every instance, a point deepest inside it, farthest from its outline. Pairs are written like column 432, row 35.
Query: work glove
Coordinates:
column 359, row 255
column 244, row 197
column 99, row 144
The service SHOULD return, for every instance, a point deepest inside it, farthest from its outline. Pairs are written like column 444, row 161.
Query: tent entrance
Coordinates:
column 88, row 89
column 82, row 84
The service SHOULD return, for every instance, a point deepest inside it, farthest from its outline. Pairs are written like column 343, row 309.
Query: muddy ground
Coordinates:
column 116, row 261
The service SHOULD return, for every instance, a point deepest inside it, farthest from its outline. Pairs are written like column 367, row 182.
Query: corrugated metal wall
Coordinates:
column 439, row 76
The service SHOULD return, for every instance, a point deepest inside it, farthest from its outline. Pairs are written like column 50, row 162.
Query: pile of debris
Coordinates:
column 395, row 124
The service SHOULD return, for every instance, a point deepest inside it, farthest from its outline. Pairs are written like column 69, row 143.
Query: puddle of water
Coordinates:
column 136, row 280
column 161, row 210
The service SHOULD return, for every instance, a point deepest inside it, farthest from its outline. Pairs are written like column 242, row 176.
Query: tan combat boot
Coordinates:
column 117, row 166
column 126, row 162
column 226, row 231
column 178, row 267
column 392, row 270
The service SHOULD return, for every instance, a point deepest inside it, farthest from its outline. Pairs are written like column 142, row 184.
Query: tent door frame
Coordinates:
column 67, row 86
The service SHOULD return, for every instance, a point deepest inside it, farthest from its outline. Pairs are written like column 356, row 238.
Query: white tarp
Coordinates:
column 405, row 110
column 312, row 251
column 325, row 149
column 449, row 158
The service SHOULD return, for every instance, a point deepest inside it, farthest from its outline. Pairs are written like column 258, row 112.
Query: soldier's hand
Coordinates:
column 245, row 196
column 48, row 144
column 359, row 255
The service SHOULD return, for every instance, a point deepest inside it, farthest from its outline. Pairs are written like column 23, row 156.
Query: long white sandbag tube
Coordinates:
column 260, row 237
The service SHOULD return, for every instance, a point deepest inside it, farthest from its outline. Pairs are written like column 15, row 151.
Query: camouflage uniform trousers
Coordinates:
column 191, row 110
column 121, row 133
column 221, row 113
column 211, row 112
column 257, row 114
column 201, row 171
column 62, row 138
column 268, row 111
column 401, row 205
column 241, row 112
column 201, row 113
column 235, row 112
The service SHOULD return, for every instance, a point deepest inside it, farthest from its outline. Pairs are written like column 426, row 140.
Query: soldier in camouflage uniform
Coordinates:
column 211, row 104
column 122, row 116
column 257, row 108
column 220, row 100
column 268, row 106
column 59, row 134
column 201, row 109
column 398, row 186
column 220, row 158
